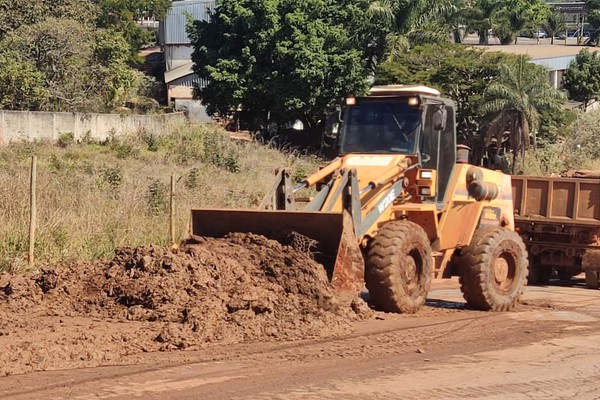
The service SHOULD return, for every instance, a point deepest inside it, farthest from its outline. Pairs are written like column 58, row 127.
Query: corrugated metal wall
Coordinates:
column 172, row 29
column 189, row 81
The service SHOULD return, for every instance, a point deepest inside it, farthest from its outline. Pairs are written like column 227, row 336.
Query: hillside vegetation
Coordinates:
column 93, row 197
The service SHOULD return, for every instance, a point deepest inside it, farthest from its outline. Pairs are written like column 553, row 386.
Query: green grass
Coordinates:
column 93, row 197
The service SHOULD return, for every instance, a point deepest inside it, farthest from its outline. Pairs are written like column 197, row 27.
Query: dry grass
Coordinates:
column 93, row 197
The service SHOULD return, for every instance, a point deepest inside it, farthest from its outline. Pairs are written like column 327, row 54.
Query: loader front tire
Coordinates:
column 493, row 269
column 399, row 267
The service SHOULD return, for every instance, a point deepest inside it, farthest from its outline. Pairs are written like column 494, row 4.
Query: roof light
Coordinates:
column 350, row 101
column 413, row 101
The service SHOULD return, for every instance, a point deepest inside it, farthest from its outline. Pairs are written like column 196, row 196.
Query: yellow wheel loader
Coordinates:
column 396, row 208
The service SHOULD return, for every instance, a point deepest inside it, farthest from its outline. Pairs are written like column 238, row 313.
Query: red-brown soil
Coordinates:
column 215, row 291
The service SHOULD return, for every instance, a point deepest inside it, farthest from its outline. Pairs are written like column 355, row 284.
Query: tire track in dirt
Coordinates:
column 372, row 364
column 568, row 366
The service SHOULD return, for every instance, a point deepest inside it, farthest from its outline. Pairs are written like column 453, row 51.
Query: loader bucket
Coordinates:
column 333, row 241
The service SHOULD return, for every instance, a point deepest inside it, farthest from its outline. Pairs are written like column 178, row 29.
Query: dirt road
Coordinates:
column 548, row 349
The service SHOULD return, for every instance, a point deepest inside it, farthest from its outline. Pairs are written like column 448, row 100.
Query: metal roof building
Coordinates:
column 179, row 75
column 172, row 29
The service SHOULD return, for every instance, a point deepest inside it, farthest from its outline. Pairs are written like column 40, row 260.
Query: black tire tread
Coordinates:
column 475, row 279
column 382, row 271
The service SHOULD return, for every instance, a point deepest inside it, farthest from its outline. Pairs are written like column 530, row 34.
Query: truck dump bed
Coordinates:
column 559, row 220
column 561, row 200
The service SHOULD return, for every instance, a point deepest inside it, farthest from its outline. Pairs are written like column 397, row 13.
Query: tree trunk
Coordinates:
column 514, row 162
column 457, row 36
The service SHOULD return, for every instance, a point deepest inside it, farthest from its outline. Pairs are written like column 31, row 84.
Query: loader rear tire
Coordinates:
column 399, row 267
column 493, row 269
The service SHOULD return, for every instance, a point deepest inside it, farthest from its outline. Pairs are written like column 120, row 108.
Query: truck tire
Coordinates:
column 591, row 280
column 564, row 274
column 538, row 274
column 493, row 269
column 399, row 267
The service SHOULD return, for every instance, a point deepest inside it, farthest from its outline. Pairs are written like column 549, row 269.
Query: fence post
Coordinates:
column 32, row 209
column 172, row 210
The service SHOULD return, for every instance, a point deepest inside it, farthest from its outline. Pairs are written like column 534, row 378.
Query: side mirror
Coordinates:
column 439, row 119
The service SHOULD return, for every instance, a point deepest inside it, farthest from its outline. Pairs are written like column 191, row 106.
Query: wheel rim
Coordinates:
column 412, row 271
column 504, row 268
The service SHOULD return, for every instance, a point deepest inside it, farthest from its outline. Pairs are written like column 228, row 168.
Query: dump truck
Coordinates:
column 559, row 220
column 395, row 208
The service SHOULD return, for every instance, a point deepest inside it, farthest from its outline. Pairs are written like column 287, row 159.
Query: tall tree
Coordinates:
column 22, row 86
column 480, row 18
column 276, row 60
column 554, row 25
column 65, row 66
column 582, row 79
column 460, row 73
column 593, row 19
column 121, row 15
column 516, row 16
column 514, row 102
column 15, row 13
column 404, row 23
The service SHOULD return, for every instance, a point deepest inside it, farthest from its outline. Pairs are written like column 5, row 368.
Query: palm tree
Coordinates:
column 480, row 18
column 511, row 21
column 594, row 20
column 554, row 24
column 401, row 23
column 515, row 101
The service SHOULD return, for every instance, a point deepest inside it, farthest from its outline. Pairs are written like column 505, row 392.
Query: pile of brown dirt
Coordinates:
column 238, row 289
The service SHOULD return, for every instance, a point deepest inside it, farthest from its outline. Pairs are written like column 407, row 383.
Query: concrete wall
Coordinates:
column 29, row 125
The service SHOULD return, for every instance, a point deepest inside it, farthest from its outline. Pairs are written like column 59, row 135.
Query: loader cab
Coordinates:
column 402, row 119
column 379, row 126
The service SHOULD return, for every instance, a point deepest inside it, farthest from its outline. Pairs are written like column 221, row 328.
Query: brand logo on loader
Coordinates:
column 387, row 200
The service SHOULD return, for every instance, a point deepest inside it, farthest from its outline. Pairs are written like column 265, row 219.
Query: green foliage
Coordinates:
column 582, row 79
column 65, row 139
column 191, row 180
column 278, row 60
column 515, row 101
column 486, row 87
column 21, row 83
column 299, row 174
column 111, row 176
column 593, row 18
column 12, row 247
column 157, row 199
column 507, row 18
column 460, row 73
column 581, row 146
column 219, row 152
column 554, row 24
column 16, row 13
column 61, row 62
column 395, row 25
column 515, row 16
column 120, row 15
column 544, row 160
